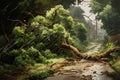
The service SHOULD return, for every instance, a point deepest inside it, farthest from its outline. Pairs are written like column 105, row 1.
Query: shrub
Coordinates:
column 23, row 62
column 48, row 54
column 107, row 46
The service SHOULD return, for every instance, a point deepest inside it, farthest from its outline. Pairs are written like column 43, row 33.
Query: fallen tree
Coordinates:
column 85, row 56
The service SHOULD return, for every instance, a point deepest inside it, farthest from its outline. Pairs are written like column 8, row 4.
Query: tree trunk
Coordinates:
column 85, row 56
column 76, row 51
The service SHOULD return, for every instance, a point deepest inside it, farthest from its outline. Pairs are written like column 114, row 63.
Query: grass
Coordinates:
column 42, row 67
column 54, row 60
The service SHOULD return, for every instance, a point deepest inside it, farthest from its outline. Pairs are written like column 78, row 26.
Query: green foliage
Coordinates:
column 48, row 54
column 22, row 61
column 98, row 5
column 110, row 20
column 18, row 31
column 61, row 16
column 107, row 46
column 81, row 31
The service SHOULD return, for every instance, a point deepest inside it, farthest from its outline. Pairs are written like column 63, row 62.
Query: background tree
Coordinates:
column 80, row 32
column 107, row 13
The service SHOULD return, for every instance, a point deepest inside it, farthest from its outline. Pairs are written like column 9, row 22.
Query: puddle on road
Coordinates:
column 97, row 72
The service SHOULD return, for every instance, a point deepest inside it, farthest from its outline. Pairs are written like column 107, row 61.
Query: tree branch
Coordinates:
column 18, row 21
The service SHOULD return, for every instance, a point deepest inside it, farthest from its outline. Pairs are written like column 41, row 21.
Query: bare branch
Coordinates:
column 18, row 21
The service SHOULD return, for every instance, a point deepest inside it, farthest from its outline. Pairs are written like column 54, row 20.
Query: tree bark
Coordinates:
column 76, row 51
column 85, row 56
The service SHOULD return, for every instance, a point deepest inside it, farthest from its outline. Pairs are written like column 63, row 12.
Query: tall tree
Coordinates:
column 107, row 12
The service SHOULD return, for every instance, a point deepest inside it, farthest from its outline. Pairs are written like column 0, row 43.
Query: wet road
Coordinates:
column 84, row 69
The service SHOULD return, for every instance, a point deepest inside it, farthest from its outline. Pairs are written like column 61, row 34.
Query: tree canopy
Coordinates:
column 18, row 12
column 43, row 37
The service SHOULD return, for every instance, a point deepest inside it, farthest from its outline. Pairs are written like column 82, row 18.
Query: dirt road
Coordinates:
column 84, row 69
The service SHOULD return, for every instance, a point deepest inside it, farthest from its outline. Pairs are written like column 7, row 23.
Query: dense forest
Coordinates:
column 36, row 35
